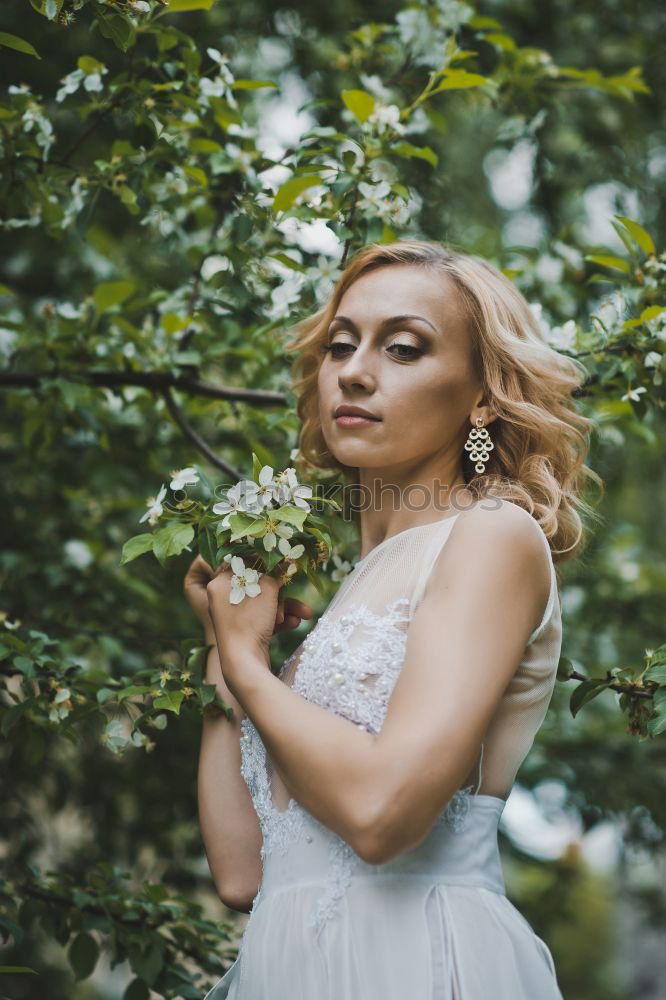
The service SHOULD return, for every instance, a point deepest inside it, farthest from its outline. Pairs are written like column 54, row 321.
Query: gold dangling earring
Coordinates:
column 479, row 444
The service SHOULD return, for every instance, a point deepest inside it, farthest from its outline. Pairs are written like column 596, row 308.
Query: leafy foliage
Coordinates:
column 154, row 248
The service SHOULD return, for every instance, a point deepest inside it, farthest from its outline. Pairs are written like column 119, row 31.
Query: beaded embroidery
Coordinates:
column 356, row 682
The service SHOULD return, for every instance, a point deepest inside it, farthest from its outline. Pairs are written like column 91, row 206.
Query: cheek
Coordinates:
column 412, row 391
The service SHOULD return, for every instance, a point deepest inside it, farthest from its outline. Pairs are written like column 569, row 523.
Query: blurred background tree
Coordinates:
column 181, row 182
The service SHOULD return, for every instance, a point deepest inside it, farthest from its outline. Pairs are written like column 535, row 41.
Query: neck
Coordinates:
column 392, row 500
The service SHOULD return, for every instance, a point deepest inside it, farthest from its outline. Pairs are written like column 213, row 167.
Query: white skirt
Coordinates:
column 432, row 924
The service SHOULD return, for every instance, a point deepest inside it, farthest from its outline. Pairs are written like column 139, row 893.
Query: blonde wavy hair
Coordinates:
column 540, row 439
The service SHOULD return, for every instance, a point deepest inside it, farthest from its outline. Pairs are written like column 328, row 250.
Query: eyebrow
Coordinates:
column 391, row 321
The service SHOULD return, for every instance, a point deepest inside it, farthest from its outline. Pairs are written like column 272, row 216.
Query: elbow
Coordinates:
column 236, row 897
column 390, row 832
column 378, row 841
column 376, row 847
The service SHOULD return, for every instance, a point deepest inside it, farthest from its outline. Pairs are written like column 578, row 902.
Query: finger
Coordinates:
column 291, row 621
column 280, row 612
column 300, row 608
column 200, row 561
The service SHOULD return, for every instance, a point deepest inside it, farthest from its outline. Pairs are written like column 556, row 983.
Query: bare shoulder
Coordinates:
column 498, row 535
column 496, row 551
column 504, row 522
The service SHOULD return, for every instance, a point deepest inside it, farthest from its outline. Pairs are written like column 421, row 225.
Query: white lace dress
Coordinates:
column 433, row 923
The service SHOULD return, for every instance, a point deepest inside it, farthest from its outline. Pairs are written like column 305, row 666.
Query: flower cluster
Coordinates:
column 269, row 508
column 259, row 525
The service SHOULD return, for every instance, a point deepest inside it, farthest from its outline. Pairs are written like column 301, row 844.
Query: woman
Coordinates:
column 352, row 805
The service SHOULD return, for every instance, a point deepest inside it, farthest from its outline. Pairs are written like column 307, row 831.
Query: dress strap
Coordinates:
column 552, row 593
column 432, row 552
column 480, row 762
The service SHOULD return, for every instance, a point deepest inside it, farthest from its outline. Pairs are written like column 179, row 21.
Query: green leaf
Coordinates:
column 19, row 44
column 656, row 673
column 360, row 103
column 291, row 189
column 651, row 313
column 640, row 237
column 14, row 969
column 172, row 539
column 206, row 545
column 89, row 64
column 292, row 515
column 564, row 668
column 148, row 962
column 117, row 28
column 112, row 293
column 207, row 693
column 656, row 724
column 407, row 150
column 132, row 690
column 241, row 524
column 169, row 700
column 136, row 546
column 12, row 714
column 205, row 146
column 177, row 6
column 83, row 955
column 605, row 260
column 585, row 692
column 459, row 79
column 137, row 990
column 252, row 84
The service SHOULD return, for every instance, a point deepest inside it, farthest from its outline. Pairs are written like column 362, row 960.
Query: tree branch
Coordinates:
column 630, row 689
column 195, row 438
column 156, row 381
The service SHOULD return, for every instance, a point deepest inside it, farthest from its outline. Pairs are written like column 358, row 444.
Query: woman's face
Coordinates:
column 400, row 349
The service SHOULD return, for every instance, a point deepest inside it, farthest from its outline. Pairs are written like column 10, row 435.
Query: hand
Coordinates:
column 194, row 586
column 254, row 621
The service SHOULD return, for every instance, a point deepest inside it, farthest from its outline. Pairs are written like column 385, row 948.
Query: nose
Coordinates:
column 355, row 370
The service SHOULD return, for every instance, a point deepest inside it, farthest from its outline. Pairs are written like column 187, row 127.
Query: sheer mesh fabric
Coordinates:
column 374, row 605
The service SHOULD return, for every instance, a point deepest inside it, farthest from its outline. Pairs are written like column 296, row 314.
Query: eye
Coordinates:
column 414, row 352
column 409, row 349
column 333, row 349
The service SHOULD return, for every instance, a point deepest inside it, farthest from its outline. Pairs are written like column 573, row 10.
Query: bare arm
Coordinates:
column 382, row 793
column 229, row 824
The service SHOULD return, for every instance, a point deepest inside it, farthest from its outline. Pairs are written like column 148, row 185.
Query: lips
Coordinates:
column 347, row 410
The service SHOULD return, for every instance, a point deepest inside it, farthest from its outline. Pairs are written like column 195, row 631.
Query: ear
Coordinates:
column 483, row 410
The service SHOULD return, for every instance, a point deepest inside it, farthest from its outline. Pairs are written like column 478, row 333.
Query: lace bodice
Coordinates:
column 349, row 663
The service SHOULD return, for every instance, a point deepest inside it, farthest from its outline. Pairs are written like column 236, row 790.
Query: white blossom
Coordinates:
column 382, row 169
column 563, row 338
column 243, row 498
column 283, row 295
column 77, row 553
column 325, row 269
column 244, row 582
column 652, row 359
column 155, row 508
column 270, row 538
column 180, row 478
column 387, row 117
column 634, row 394
column 342, row 568
column 44, row 135
column 267, row 487
column 289, row 490
column 290, row 552
column 69, row 84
